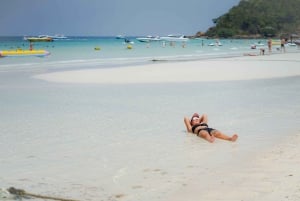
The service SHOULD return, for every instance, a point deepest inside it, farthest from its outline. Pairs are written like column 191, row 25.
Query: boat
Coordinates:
column 21, row 52
column 291, row 44
column 217, row 43
column 297, row 42
column 174, row 38
column 120, row 37
column 55, row 37
column 148, row 39
column 40, row 38
column 126, row 40
column 58, row 37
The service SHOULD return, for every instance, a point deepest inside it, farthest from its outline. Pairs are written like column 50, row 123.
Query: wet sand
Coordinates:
column 239, row 68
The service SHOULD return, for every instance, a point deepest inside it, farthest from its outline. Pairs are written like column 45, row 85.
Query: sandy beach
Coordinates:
column 117, row 134
column 272, row 174
column 239, row 68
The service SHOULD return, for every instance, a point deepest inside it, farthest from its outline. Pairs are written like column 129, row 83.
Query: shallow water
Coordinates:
column 78, row 52
column 101, row 142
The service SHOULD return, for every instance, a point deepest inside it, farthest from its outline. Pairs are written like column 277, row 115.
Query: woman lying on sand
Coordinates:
column 198, row 125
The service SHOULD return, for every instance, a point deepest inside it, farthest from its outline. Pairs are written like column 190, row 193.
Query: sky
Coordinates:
column 109, row 17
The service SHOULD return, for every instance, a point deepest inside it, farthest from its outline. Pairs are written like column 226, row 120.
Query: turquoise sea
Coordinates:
column 110, row 142
column 77, row 52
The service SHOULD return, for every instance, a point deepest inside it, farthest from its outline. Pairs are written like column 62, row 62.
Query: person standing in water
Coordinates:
column 282, row 45
column 270, row 45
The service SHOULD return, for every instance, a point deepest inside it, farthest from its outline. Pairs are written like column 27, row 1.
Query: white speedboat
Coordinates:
column 174, row 38
column 148, row 39
column 58, row 37
column 55, row 37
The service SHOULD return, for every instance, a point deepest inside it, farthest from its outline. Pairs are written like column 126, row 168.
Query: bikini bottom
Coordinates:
column 209, row 130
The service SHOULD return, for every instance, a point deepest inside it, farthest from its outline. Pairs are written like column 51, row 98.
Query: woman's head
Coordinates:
column 195, row 119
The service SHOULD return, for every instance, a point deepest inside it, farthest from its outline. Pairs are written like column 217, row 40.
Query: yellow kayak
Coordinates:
column 20, row 52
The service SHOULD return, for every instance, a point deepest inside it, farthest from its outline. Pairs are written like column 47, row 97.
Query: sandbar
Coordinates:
column 221, row 69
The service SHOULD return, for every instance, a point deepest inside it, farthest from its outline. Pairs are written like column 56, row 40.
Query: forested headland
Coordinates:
column 258, row 18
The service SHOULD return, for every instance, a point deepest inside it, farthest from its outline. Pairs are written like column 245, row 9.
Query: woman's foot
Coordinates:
column 234, row 138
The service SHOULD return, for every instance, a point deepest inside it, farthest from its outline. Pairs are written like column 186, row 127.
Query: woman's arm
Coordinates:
column 188, row 124
column 203, row 118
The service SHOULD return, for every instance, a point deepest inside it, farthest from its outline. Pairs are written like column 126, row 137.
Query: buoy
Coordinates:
column 97, row 48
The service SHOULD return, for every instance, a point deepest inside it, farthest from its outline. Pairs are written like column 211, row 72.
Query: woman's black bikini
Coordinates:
column 209, row 130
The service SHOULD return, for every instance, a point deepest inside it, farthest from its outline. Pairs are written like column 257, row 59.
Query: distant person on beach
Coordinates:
column 198, row 125
column 282, row 45
column 30, row 46
column 270, row 45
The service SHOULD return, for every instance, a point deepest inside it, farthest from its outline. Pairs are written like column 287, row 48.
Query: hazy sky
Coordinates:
column 109, row 17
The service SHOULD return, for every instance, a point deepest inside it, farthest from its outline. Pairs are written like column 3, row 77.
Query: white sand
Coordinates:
column 241, row 68
column 274, row 174
column 271, row 175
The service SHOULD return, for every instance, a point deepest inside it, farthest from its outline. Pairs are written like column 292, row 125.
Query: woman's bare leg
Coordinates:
column 221, row 135
column 205, row 135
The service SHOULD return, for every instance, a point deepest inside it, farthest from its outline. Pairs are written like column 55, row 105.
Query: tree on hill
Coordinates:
column 266, row 18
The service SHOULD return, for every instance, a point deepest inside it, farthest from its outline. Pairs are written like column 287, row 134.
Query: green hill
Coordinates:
column 258, row 18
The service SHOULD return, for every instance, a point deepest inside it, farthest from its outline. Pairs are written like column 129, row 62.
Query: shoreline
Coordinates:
column 221, row 69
